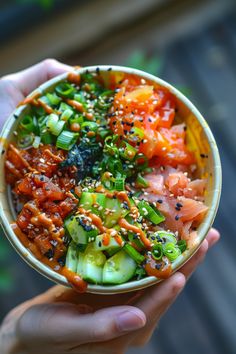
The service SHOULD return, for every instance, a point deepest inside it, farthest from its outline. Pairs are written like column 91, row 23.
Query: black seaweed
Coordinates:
column 83, row 156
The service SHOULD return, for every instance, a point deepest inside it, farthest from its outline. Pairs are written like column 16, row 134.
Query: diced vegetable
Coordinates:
column 92, row 265
column 131, row 251
column 66, row 140
column 149, row 213
column 119, row 268
column 81, row 230
column 111, row 247
column 72, row 257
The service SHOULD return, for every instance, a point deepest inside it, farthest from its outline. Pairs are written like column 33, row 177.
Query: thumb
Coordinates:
column 61, row 325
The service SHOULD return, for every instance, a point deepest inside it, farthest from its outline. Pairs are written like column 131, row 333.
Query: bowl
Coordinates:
column 199, row 136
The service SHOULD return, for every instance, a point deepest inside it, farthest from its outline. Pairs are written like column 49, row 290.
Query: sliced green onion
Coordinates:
column 78, row 118
column 79, row 97
column 157, row 251
column 133, row 253
column 136, row 135
column 103, row 133
column 104, row 100
column 149, row 213
column 52, row 119
column 55, row 125
column 63, row 107
column 140, row 273
column 141, row 181
column 119, row 184
column 92, row 234
column 141, row 162
column 171, row 251
column 65, row 89
column 46, row 137
column 36, row 142
column 165, row 237
column 66, row 140
column 53, row 98
column 89, row 127
column 115, row 166
column 27, row 123
column 148, row 170
column 127, row 151
column 66, row 114
column 182, row 244
column 24, row 140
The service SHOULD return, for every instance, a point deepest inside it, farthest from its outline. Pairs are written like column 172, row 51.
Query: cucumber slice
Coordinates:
column 72, row 257
column 119, row 268
column 80, row 261
column 117, row 212
column 87, row 200
column 92, row 264
column 113, row 246
column 78, row 233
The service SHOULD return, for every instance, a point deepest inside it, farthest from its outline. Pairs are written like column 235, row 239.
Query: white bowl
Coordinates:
column 200, row 135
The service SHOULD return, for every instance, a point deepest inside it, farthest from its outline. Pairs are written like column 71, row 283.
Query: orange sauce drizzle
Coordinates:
column 123, row 223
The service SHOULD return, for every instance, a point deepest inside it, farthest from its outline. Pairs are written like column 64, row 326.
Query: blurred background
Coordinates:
column 191, row 44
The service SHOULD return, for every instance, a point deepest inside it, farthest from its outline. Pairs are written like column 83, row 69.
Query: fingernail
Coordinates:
column 130, row 320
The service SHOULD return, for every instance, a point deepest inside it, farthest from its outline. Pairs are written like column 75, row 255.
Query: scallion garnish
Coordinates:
column 182, row 244
column 66, row 140
column 141, row 181
column 138, row 257
column 119, row 184
column 157, row 251
column 171, row 251
column 149, row 213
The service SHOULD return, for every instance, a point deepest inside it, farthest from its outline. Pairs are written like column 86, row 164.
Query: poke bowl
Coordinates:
column 110, row 179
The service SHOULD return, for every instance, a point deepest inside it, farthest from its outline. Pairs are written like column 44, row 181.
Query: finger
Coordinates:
column 29, row 79
column 62, row 326
column 212, row 237
column 158, row 298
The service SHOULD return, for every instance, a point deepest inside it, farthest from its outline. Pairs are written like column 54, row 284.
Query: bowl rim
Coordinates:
column 204, row 227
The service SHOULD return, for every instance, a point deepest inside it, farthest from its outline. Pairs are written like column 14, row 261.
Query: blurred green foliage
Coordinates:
column 153, row 65
column 6, row 274
column 140, row 60
column 45, row 4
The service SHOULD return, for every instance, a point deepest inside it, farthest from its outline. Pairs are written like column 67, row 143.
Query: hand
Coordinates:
column 62, row 321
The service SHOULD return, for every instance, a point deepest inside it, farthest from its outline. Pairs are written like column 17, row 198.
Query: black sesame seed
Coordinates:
column 153, row 238
column 98, row 71
column 203, row 156
column 179, row 205
column 185, row 128
column 149, row 119
column 160, row 201
column 15, row 116
column 177, row 208
column 177, row 217
column 49, row 254
column 100, row 244
column 3, row 152
column 158, row 266
column 109, row 69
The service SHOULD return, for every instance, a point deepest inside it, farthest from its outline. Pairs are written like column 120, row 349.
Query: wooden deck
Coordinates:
column 203, row 59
